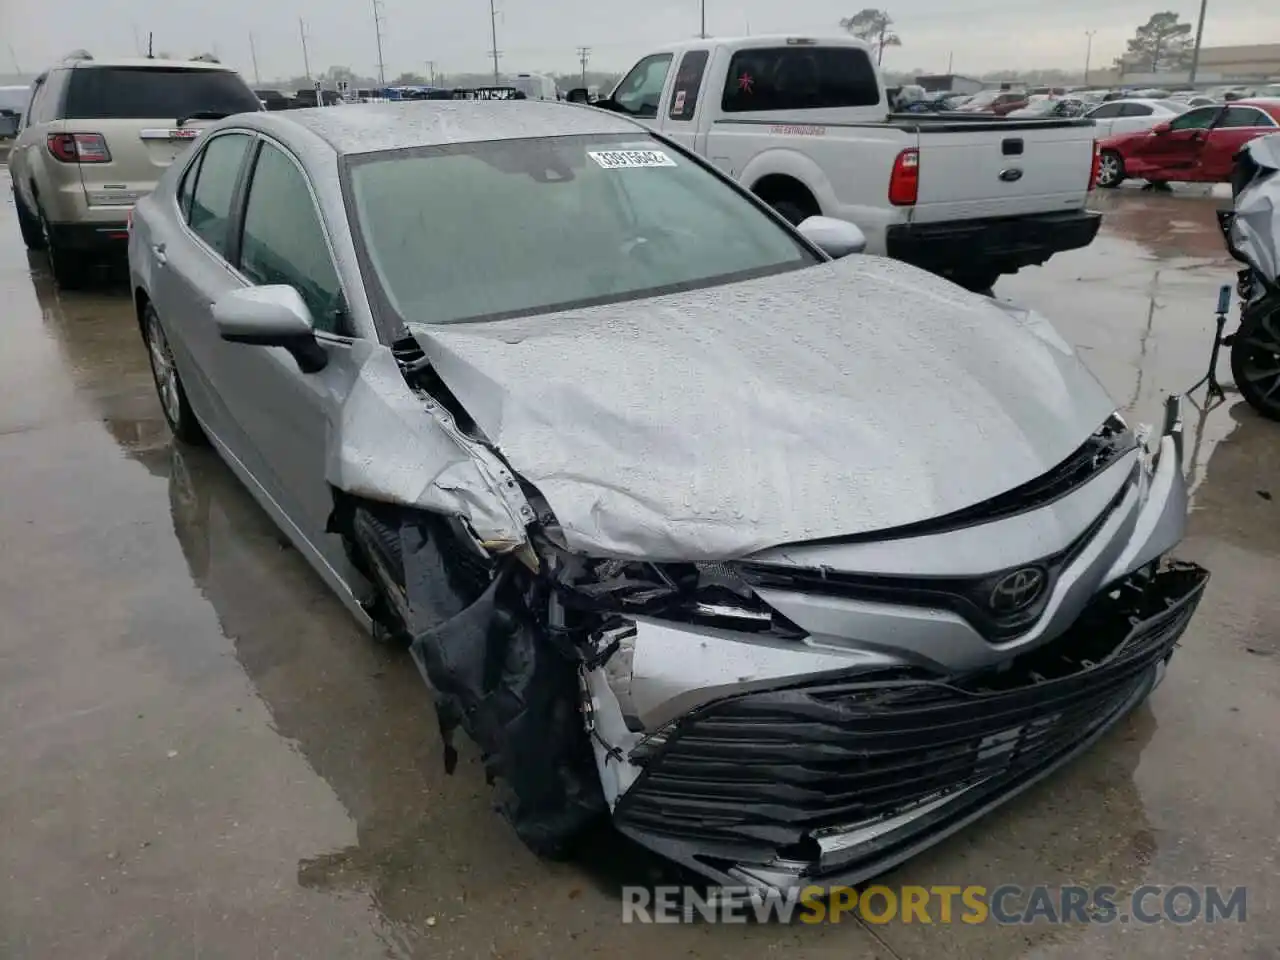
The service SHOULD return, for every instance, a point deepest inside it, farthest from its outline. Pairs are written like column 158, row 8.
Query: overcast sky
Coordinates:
column 538, row 35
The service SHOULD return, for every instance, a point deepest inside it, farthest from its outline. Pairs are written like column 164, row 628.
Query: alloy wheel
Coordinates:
column 163, row 370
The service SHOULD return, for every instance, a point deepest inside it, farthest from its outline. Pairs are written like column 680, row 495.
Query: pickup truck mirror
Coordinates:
column 578, row 95
column 1162, row 128
column 835, row 238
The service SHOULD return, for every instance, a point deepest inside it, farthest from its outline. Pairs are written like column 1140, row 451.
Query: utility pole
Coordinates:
column 377, row 32
column 493, row 33
column 584, row 54
column 431, row 72
column 950, row 57
column 1088, row 54
column 1195, row 53
column 14, row 57
column 253, row 52
column 306, row 61
column 703, row 32
column 137, row 40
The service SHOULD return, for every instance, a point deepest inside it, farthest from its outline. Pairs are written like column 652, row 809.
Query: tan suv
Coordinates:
column 96, row 136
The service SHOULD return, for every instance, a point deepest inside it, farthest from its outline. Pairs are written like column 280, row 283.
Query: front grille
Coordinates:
column 770, row 768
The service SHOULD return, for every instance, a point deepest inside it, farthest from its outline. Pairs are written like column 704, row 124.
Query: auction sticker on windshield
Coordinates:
column 623, row 159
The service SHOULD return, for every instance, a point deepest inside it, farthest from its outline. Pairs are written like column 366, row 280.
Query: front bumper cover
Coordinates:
column 830, row 782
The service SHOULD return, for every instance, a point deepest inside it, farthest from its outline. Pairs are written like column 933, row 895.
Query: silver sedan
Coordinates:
column 790, row 561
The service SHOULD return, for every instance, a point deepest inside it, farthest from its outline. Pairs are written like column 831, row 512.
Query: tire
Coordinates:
column 1255, row 363
column 68, row 266
column 169, row 389
column 1110, row 170
column 977, row 281
column 790, row 211
column 28, row 224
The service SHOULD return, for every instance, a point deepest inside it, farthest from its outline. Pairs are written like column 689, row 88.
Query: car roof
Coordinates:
column 137, row 62
column 374, row 127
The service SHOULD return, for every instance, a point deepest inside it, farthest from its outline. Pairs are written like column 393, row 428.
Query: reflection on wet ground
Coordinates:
column 206, row 756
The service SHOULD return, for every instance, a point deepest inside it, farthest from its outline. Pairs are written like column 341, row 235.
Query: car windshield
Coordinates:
column 505, row 228
column 150, row 93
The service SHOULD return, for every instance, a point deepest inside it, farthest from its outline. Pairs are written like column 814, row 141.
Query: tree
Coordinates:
column 873, row 26
column 408, row 80
column 1162, row 43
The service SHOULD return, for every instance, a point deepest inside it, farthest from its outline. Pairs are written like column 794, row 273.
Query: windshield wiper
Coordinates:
column 203, row 115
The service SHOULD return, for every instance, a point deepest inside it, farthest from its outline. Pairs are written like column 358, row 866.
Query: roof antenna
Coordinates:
column 151, row 39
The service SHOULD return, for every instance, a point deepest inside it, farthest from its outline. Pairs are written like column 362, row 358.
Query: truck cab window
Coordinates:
column 800, row 78
column 640, row 90
column 684, row 92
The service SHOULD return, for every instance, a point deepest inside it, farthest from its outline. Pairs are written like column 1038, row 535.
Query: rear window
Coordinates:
column 155, row 93
column 799, row 78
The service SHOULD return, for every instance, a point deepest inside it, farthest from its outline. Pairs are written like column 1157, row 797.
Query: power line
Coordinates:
column 378, row 17
column 306, row 61
column 493, row 33
column 584, row 54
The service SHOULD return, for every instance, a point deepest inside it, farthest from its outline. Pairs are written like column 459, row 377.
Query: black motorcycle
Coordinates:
column 1252, row 231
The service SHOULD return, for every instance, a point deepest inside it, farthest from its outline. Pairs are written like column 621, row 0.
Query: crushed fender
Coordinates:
column 497, row 673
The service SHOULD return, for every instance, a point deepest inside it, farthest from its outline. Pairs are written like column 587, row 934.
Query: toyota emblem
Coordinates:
column 1017, row 591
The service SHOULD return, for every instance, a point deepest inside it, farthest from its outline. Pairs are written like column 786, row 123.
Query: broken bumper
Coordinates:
column 830, row 782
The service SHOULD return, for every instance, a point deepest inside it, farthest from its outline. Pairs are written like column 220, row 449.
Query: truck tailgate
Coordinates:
column 1001, row 168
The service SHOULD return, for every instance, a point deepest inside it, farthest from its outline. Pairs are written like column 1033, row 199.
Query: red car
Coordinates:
column 1197, row 146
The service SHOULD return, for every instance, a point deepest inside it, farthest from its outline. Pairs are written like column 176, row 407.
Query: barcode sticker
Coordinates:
column 626, row 159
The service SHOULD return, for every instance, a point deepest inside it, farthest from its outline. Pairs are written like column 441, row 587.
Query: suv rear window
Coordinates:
column 799, row 78
column 155, row 93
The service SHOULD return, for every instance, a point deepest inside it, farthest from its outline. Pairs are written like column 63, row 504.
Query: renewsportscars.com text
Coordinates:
column 974, row 904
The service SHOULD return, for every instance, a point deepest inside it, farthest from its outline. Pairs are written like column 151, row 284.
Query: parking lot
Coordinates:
column 204, row 756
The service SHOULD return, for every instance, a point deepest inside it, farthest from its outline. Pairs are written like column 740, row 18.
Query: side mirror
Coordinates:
column 271, row 316
column 835, row 238
column 578, row 95
column 1162, row 128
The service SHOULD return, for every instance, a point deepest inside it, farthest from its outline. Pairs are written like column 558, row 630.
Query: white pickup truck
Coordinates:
column 805, row 124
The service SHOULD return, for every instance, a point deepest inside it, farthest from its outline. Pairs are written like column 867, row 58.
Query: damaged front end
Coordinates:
column 810, row 713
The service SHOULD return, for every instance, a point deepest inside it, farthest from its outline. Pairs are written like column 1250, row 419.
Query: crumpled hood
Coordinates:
column 845, row 398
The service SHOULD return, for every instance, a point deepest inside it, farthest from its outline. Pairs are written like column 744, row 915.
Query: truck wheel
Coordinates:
column 1110, row 170
column 977, row 281
column 793, row 213
column 28, row 224
column 1255, row 365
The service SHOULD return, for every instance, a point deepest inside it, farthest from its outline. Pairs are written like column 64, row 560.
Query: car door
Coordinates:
column 285, row 413
column 1237, row 125
column 1104, row 118
column 681, row 123
column 189, row 244
column 1173, row 153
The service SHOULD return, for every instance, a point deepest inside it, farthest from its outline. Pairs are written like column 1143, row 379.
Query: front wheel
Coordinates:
column 1255, row 363
column 173, row 396
column 1110, row 170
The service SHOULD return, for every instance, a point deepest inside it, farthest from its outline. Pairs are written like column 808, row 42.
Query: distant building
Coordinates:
column 1252, row 62
column 943, row 82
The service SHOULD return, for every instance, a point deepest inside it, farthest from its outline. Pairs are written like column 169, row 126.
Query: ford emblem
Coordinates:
column 1011, row 174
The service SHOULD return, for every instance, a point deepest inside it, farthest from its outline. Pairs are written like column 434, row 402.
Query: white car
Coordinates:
column 1129, row 116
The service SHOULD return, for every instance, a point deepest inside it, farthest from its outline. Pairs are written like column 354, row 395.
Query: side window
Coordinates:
column 1195, row 119
column 1106, row 111
column 684, row 93
column 640, row 90
column 188, row 186
column 215, row 186
column 284, row 241
column 1245, row 117
column 799, row 78
column 1137, row 110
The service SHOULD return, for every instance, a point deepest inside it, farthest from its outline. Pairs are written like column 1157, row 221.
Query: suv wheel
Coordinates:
column 28, row 224
column 173, row 397
column 68, row 266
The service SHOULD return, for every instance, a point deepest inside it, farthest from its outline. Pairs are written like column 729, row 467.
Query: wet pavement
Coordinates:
column 203, row 756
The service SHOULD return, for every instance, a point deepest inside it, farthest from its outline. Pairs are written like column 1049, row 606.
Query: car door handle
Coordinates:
column 159, row 250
